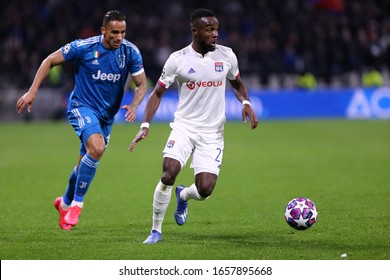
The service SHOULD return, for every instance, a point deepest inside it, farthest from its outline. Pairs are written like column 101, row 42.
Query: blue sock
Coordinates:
column 69, row 193
column 87, row 170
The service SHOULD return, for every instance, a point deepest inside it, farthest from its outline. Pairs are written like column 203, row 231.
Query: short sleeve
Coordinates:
column 137, row 66
column 70, row 51
column 234, row 70
column 169, row 72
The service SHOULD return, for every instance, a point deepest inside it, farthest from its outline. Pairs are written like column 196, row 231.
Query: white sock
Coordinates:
column 79, row 204
column 191, row 193
column 162, row 196
column 63, row 205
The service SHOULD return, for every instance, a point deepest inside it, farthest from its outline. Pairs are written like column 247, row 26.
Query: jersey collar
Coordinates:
column 198, row 54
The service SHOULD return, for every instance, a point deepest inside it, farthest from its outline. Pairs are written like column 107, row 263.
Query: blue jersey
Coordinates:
column 101, row 74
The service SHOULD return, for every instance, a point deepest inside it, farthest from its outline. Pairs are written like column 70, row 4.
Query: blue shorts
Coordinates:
column 85, row 122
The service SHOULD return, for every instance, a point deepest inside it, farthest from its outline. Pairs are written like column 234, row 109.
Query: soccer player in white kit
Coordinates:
column 200, row 71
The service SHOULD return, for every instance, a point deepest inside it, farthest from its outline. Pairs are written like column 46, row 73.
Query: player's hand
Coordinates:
column 131, row 112
column 142, row 133
column 247, row 112
column 28, row 100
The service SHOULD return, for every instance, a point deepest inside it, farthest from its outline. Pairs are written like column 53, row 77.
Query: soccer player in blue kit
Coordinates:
column 102, row 64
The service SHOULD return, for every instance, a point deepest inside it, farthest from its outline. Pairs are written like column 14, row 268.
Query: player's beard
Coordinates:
column 211, row 48
column 208, row 47
column 205, row 46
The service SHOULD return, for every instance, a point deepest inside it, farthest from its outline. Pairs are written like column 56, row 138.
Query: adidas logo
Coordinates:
column 95, row 62
column 191, row 71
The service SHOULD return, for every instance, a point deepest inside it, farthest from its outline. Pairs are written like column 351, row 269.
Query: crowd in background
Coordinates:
column 326, row 38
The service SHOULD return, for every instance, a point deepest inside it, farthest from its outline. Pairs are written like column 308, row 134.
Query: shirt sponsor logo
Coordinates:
column 191, row 85
column 106, row 76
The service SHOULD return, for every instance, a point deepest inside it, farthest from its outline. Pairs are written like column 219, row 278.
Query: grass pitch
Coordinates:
column 343, row 166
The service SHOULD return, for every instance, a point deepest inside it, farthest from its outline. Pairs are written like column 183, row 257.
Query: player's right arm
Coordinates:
column 167, row 77
column 150, row 110
column 49, row 62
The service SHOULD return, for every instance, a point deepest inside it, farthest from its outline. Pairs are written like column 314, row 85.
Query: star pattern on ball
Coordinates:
column 300, row 213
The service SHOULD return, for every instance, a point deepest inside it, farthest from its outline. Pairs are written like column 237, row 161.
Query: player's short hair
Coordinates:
column 113, row 15
column 199, row 13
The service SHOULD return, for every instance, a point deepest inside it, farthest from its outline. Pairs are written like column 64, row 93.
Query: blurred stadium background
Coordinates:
column 299, row 58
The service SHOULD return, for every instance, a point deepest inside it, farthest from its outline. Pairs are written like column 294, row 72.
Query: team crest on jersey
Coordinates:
column 170, row 144
column 96, row 54
column 122, row 59
column 218, row 66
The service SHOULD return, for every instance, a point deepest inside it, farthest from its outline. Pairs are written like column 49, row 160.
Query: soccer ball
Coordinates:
column 301, row 213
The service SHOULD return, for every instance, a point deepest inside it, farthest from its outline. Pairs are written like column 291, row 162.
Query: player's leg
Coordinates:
column 94, row 138
column 202, row 188
column 86, row 173
column 176, row 153
column 67, row 198
column 206, row 161
column 162, row 197
column 87, row 169
column 162, row 194
column 63, row 203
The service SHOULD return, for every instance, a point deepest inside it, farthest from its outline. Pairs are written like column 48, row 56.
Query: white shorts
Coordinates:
column 206, row 149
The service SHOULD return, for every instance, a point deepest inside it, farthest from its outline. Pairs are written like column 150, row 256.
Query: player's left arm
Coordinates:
column 139, row 94
column 241, row 93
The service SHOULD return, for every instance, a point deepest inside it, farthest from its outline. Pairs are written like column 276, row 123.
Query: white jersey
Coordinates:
column 202, row 84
